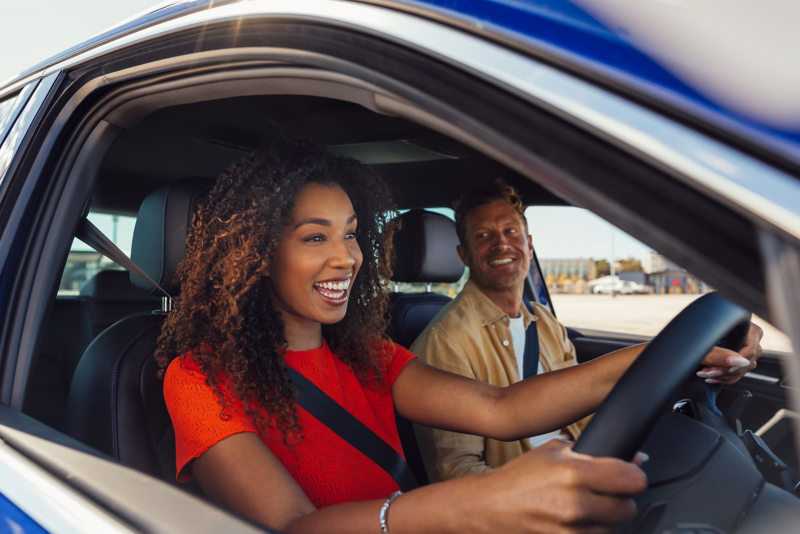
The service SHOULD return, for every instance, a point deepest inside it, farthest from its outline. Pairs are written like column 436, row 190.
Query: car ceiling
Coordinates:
column 423, row 168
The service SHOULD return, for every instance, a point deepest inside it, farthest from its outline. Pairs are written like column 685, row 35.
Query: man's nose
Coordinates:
column 500, row 241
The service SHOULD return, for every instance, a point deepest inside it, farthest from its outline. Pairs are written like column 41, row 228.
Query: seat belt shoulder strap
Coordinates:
column 331, row 414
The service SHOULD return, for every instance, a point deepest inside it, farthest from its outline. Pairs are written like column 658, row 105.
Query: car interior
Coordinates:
column 93, row 376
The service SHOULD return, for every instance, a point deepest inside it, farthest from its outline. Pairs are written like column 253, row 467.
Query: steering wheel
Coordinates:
column 630, row 411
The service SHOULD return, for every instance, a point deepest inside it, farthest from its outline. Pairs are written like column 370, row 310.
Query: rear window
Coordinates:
column 83, row 262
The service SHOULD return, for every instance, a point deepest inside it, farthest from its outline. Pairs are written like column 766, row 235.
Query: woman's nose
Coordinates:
column 342, row 257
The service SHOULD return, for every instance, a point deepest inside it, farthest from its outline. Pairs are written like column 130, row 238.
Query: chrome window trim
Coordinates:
column 752, row 187
column 49, row 501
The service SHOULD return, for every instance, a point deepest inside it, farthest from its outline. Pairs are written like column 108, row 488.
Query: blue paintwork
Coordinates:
column 15, row 521
column 557, row 26
column 561, row 27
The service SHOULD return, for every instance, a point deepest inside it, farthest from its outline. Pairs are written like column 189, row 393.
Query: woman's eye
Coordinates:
column 314, row 238
column 350, row 235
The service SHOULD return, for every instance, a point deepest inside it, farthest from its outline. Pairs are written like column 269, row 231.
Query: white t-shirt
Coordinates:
column 517, row 327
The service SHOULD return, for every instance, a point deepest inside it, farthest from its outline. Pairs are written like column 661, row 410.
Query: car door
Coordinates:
column 482, row 94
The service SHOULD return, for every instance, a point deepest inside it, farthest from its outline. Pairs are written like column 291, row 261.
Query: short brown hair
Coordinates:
column 495, row 191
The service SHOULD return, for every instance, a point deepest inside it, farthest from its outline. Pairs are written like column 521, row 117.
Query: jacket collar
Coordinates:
column 488, row 312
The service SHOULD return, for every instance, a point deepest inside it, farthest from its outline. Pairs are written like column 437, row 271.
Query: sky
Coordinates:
column 34, row 30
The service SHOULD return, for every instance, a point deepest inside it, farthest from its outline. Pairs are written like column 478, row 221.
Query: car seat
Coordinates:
column 110, row 296
column 116, row 403
column 425, row 248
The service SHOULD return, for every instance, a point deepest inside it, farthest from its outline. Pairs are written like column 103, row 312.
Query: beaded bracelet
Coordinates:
column 385, row 512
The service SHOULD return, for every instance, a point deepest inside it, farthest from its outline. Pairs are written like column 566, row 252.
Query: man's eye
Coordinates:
column 513, row 231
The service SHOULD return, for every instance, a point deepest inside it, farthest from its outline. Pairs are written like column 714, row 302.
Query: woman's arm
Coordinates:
column 531, row 407
column 544, row 490
column 538, row 404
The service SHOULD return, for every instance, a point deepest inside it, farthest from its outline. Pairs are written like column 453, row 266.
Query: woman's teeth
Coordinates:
column 335, row 286
column 502, row 261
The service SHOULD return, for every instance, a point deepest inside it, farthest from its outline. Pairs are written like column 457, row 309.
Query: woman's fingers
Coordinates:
column 725, row 359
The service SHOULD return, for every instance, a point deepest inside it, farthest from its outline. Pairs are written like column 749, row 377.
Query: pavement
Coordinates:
column 641, row 314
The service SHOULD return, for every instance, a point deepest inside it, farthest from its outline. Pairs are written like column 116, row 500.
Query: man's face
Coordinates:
column 498, row 248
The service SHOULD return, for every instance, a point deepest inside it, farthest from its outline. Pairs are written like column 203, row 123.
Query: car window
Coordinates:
column 642, row 294
column 451, row 290
column 83, row 262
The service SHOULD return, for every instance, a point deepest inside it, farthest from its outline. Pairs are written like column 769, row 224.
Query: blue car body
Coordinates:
column 558, row 33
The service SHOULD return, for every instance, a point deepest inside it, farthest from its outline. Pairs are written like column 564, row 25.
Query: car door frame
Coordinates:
column 53, row 168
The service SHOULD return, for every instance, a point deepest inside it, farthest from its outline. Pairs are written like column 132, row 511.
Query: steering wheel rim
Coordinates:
column 630, row 411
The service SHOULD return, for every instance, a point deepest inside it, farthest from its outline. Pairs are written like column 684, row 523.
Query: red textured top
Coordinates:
column 327, row 468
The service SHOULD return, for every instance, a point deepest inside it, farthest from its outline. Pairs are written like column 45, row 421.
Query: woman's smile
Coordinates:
column 334, row 290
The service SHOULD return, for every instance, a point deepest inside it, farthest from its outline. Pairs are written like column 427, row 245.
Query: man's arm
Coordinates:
column 447, row 454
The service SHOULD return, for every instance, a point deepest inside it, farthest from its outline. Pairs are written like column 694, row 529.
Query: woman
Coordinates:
column 286, row 265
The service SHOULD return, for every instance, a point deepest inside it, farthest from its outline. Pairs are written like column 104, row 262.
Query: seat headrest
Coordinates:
column 113, row 286
column 425, row 247
column 159, row 237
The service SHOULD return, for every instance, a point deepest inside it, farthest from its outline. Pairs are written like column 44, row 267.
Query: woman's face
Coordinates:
column 318, row 257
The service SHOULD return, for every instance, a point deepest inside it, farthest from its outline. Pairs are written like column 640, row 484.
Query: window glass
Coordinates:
column 83, row 262
column 451, row 290
column 575, row 249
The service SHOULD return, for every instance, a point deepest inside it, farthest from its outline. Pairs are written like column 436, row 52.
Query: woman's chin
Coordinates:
column 333, row 316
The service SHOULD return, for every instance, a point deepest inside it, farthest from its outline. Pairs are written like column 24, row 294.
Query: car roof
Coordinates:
column 608, row 41
column 572, row 37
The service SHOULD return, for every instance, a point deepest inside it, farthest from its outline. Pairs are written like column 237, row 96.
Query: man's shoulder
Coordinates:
column 457, row 318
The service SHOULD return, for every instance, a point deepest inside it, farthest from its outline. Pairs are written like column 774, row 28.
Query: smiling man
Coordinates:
column 483, row 332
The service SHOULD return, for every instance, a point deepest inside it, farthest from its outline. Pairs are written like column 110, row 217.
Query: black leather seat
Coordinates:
column 116, row 403
column 64, row 339
column 110, row 296
column 425, row 248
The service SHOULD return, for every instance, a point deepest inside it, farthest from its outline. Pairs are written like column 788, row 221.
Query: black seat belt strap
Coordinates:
column 331, row 414
column 530, row 361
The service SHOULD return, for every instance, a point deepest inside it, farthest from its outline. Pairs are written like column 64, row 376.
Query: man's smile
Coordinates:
column 500, row 261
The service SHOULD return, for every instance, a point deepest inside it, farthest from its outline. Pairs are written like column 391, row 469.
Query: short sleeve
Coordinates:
column 399, row 358
column 196, row 414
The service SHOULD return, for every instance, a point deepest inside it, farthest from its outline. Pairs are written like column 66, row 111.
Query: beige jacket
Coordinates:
column 471, row 337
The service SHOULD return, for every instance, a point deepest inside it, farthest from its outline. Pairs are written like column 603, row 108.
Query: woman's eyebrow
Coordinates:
column 320, row 221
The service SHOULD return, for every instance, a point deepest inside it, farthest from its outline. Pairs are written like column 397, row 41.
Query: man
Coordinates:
column 481, row 334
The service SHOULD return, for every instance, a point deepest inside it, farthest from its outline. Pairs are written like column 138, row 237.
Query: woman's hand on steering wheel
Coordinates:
column 723, row 366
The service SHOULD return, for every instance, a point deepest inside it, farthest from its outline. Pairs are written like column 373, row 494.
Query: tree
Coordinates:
column 603, row 268
column 630, row 266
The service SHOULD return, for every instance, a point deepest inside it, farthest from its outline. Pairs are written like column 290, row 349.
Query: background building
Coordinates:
column 582, row 268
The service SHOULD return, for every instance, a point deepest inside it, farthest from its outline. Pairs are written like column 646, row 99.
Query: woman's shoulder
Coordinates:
column 183, row 366
column 397, row 357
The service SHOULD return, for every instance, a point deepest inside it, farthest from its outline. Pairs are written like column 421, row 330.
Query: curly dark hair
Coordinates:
column 226, row 317
column 495, row 191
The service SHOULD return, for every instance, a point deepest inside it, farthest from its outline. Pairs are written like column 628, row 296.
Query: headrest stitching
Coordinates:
column 163, row 240
column 114, row 387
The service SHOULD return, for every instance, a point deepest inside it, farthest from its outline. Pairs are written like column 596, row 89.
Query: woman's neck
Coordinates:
column 301, row 334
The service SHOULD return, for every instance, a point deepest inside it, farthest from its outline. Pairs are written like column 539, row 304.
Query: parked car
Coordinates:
column 438, row 96
column 623, row 287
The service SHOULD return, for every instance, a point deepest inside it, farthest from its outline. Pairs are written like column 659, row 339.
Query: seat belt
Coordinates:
column 530, row 359
column 92, row 236
column 344, row 424
column 310, row 397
